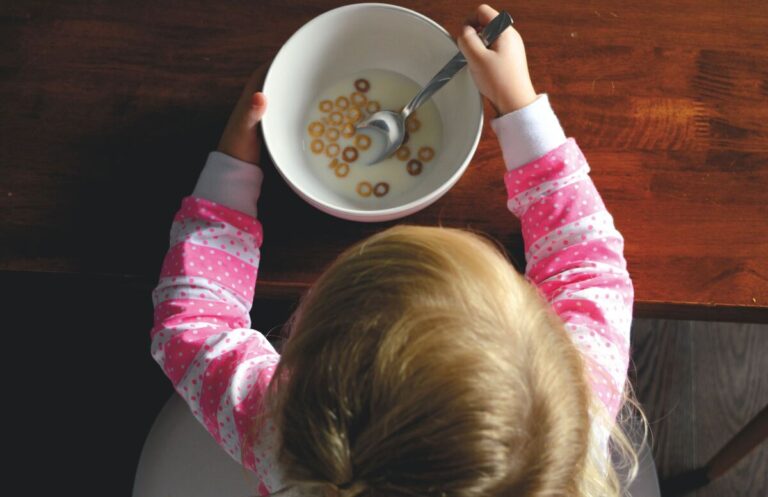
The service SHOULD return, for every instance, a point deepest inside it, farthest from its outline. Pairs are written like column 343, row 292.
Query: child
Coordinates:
column 420, row 363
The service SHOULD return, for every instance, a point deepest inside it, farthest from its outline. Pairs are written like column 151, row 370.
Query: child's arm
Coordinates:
column 574, row 253
column 201, row 336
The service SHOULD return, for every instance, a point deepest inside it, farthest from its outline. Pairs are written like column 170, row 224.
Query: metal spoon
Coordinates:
column 392, row 124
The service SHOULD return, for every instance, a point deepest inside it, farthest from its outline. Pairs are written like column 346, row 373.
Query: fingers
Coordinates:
column 471, row 20
column 240, row 138
column 470, row 44
column 481, row 16
column 253, row 103
column 257, row 109
column 485, row 14
column 259, row 100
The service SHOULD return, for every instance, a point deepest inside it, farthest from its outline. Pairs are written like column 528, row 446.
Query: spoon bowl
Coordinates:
column 392, row 127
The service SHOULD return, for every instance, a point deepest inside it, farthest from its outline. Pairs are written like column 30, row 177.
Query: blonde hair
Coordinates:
column 422, row 364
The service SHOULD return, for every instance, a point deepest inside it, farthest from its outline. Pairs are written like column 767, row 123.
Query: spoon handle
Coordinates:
column 491, row 31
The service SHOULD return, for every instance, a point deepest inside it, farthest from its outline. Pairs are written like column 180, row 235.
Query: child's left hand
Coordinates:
column 240, row 138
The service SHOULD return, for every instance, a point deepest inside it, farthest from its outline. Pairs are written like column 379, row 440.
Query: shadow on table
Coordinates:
column 139, row 172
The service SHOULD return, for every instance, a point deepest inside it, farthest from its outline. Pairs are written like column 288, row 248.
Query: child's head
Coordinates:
column 422, row 364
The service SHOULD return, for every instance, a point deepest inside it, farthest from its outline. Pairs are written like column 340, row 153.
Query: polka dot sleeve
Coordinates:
column 202, row 337
column 574, row 255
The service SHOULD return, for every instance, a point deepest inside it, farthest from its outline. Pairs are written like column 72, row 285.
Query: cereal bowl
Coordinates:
column 342, row 43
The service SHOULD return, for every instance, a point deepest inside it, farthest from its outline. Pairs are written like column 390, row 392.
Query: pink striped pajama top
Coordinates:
column 202, row 337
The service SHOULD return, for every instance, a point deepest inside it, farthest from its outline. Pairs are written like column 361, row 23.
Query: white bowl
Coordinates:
column 345, row 41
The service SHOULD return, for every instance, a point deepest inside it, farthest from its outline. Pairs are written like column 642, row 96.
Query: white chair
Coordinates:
column 647, row 482
column 181, row 459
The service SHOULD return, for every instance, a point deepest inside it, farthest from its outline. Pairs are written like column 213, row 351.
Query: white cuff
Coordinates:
column 528, row 133
column 230, row 182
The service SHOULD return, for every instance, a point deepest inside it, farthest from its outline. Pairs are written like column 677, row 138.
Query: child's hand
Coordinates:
column 501, row 71
column 240, row 139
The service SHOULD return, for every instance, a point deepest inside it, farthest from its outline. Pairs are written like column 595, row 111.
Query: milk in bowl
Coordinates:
column 339, row 154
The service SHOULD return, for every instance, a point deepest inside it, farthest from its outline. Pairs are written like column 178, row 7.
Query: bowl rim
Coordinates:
column 375, row 215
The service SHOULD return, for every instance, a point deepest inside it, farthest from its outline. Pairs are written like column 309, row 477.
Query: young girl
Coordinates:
column 420, row 363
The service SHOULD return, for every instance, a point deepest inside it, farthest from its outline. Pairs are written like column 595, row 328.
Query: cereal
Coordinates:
column 332, row 150
column 316, row 146
column 381, row 189
column 373, row 106
column 349, row 154
column 339, row 149
column 342, row 102
column 341, row 169
column 354, row 114
column 414, row 167
column 426, row 154
column 335, row 118
column 364, row 189
column 358, row 99
column 363, row 142
column 403, row 153
column 413, row 124
column 316, row 129
column 348, row 131
column 332, row 134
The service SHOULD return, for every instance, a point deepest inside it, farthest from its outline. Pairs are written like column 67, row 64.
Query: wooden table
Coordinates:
column 107, row 111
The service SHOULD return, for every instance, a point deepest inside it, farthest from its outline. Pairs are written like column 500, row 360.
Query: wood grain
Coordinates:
column 731, row 372
column 700, row 383
column 662, row 377
column 109, row 109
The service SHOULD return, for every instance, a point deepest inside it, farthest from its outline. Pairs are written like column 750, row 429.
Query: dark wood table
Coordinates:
column 107, row 111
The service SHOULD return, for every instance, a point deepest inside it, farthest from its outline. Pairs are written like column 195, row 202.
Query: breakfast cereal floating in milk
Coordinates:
column 341, row 153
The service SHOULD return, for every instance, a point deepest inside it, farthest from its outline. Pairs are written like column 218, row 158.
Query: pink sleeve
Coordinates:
column 574, row 255
column 201, row 336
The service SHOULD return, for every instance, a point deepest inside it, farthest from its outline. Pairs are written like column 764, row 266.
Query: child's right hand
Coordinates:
column 501, row 71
